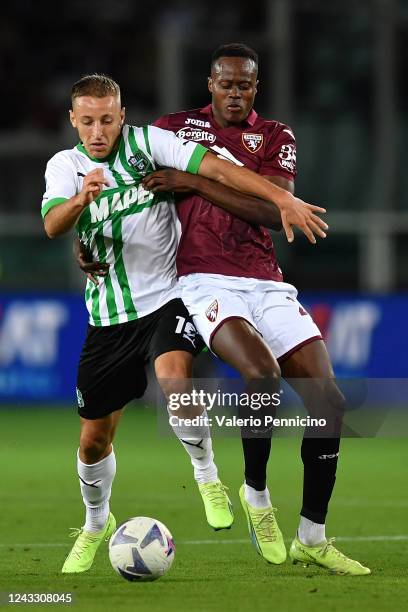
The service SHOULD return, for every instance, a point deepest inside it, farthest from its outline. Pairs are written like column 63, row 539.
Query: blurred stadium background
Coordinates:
column 333, row 70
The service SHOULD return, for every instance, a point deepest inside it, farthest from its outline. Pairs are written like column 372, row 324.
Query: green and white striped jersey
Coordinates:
column 133, row 230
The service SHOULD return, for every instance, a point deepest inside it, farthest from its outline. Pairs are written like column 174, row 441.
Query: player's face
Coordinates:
column 233, row 86
column 99, row 122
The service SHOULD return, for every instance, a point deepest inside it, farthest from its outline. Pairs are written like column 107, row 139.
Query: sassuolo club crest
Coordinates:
column 140, row 163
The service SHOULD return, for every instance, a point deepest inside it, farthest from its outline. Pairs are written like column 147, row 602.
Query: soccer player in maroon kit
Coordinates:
column 233, row 287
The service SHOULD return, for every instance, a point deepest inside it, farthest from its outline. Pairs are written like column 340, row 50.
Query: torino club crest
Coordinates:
column 252, row 142
column 212, row 311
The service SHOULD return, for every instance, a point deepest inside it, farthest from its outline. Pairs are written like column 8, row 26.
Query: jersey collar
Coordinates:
column 250, row 120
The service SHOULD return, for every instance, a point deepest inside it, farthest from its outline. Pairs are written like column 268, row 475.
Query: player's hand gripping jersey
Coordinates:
column 212, row 240
column 126, row 226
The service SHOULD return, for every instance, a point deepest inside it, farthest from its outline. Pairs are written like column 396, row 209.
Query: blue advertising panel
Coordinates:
column 41, row 338
column 40, row 342
column 366, row 336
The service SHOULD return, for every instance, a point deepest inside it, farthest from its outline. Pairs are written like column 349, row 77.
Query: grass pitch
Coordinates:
column 40, row 500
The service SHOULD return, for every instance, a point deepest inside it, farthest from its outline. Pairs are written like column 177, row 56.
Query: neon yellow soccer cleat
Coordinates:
column 327, row 556
column 264, row 531
column 83, row 552
column 217, row 504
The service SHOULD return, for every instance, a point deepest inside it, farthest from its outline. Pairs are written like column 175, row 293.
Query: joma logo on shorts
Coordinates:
column 101, row 209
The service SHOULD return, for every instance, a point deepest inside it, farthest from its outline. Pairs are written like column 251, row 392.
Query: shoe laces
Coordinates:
column 215, row 493
column 82, row 542
column 328, row 547
column 266, row 526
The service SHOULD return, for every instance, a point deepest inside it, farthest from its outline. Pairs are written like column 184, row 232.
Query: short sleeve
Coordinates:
column 60, row 182
column 280, row 154
column 168, row 150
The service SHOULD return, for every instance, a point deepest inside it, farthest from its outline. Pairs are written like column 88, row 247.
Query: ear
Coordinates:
column 256, row 86
column 122, row 115
column 72, row 119
column 210, row 84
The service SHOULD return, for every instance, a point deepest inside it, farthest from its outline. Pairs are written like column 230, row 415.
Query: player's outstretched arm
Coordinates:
column 294, row 212
column 60, row 219
column 246, row 207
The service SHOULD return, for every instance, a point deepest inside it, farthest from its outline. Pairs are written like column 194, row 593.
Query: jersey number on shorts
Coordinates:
column 187, row 329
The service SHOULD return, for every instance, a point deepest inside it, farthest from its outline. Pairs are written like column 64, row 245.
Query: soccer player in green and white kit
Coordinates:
column 135, row 313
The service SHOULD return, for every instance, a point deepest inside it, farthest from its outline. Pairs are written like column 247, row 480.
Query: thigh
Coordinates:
column 211, row 306
column 111, row 370
column 308, row 361
column 241, row 346
column 174, row 331
column 283, row 322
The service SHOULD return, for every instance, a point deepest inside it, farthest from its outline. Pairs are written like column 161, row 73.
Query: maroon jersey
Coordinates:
column 212, row 240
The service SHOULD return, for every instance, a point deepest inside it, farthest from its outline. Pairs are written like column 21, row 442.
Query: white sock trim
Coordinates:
column 98, row 462
column 311, row 533
column 257, row 499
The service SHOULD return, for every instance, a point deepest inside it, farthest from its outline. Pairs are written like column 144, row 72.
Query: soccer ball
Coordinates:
column 142, row 548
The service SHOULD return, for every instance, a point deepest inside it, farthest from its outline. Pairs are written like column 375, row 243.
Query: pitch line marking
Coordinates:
column 379, row 538
column 374, row 538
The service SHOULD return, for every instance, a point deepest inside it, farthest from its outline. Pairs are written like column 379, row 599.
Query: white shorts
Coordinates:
column 270, row 307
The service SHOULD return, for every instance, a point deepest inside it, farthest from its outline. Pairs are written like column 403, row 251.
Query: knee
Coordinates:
column 337, row 402
column 327, row 402
column 323, row 391
column 175, row 385
column 174, row 374
column 261, row 369
column 182, row 401
column 336, row 398
column 332, row 397
column 175, row 380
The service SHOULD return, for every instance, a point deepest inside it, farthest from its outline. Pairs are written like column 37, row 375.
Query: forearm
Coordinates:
column 246, row 207
column 241, row 179
column 63, row 217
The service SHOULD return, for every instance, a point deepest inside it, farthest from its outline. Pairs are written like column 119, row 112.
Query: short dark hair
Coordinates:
column 97, row 85
column 234, row 50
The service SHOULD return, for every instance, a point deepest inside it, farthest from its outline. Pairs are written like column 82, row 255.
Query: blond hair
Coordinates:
column 96, row 85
